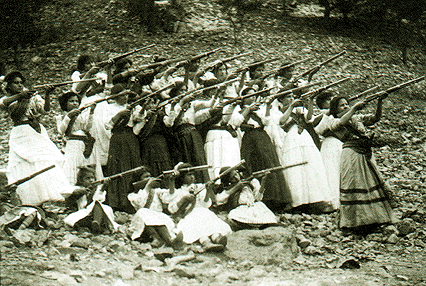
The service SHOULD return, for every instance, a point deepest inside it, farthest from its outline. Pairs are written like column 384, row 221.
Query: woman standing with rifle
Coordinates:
column 364, row 197
column 30, row 146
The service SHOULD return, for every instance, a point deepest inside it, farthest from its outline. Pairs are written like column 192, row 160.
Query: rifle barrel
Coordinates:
column 278, row 168
column 316, row 92
column 363, row 93
column 393, row 89
column 65, row 82
column 196, row 168
column 151, row 94
column 25, row 179
column 119, row 175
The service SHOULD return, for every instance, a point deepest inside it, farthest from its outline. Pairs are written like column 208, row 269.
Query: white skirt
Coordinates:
column 257, row 214
column 201, row 222
column 146, row 217
column 307, row 183
column 331, row 150
column 221, row 150
column 73, row 218
column 30, row 152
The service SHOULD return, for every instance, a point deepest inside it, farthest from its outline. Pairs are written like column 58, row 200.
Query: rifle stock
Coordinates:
column 316, row 92
column 27, row 178
column 294, row 80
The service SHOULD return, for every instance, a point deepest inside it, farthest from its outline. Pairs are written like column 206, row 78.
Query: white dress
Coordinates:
column 222, row 149
column 307, row 183
column 85, row 210
column 200, row 222
column 331, row 150
column 151, row 215
column 74, row 149
column 30, row 152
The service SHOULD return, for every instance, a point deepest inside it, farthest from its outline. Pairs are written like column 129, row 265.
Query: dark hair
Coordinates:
column 179, row 179
column 120, row 64
column 334, row 103
column 179, row 85
column 252, row 69
column 3, row 176
column 323, row 97
column 117, row 88
column 82, row 61
column 11, row 77
column 63, row 99
column 82, row 171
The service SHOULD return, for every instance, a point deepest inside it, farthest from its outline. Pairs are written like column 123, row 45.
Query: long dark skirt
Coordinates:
column 362, row 195
column 259, row 152
column 123, row 155
column 155, row 154
column 191, row 149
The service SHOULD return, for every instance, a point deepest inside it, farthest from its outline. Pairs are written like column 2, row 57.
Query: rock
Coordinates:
column 179, row 259
column 349, row 264
column 393, row 238
column 273, row 245
column 302, row 241
column 420, row 243
column 82, row 243
column 390, row 229
column 6, row 243
column 184, row 272
column 312, row 250
column 163, row 252
column 22, row 236
column 406, row 226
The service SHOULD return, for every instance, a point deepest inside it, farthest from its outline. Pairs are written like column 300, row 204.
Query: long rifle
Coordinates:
column 133, row 104
column 158, row 64
column 64, row 83
column 189, row 169
column 167, row 101
column 392, row 89
column 129, row 172
column 105, row 99
column 116, row 58
column 239, row 98
column 255, row 64
column 27, row 178
column 202, row 55
column 316, row 92
column 277, row 70
column 361, row 94
column 218, row 63
column 227, row 171
column 288, row 91
column 274, row 169
column 317, row 67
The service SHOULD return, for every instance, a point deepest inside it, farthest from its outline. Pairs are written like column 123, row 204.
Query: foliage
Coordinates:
column 153, row 16
column 17, row 22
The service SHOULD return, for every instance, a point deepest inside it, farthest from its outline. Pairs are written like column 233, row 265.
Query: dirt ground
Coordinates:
column 394, row 255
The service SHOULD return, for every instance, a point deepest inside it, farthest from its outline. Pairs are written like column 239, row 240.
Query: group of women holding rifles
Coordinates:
column 175, row 139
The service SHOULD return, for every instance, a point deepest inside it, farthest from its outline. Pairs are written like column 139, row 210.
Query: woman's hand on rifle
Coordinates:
column 74, row 113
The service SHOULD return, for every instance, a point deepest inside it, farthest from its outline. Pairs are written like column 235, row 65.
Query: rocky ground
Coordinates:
column 308, row 249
